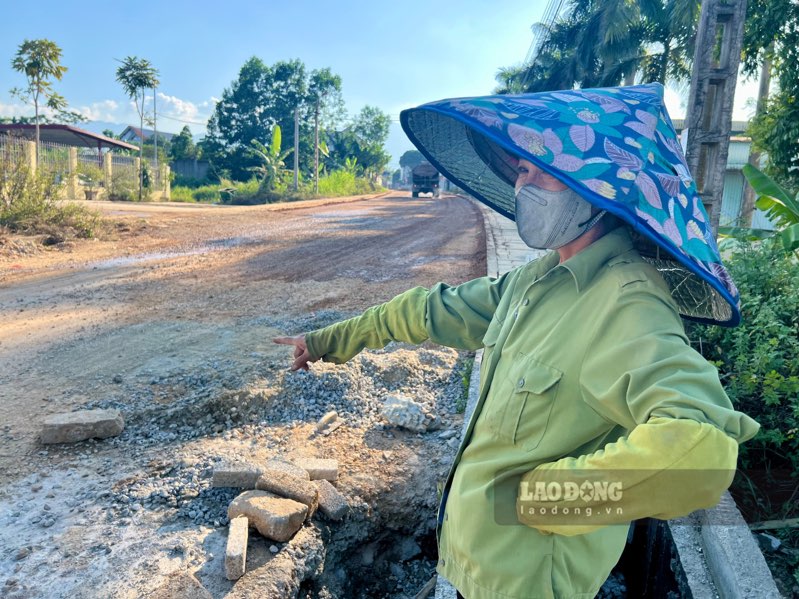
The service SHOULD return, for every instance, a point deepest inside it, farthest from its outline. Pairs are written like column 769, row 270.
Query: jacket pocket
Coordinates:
column 527, row 413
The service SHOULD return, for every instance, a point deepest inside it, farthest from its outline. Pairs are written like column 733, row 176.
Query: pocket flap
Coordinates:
column 537, row 378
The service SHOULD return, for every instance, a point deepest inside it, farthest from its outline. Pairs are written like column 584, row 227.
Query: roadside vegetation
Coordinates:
column 29, row 204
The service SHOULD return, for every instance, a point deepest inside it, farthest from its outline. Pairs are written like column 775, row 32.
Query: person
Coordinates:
column 594, row 410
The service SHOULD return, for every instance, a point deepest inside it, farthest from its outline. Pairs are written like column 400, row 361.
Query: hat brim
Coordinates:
column 483, row 166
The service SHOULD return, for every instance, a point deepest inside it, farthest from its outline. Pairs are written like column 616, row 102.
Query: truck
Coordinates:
column 424, row 179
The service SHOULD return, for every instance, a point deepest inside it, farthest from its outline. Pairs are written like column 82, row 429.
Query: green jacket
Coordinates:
column 586, row 376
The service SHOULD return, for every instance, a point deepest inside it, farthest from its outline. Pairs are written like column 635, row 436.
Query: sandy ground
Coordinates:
column 173, row 296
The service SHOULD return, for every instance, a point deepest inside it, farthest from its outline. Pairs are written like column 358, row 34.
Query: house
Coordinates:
column 134, row 134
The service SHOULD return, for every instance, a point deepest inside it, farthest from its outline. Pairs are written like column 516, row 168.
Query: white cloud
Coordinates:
column 105, row 110
column 9, row 110
column 178, row 108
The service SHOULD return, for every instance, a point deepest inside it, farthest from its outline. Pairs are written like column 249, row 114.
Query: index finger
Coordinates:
column 285, row 340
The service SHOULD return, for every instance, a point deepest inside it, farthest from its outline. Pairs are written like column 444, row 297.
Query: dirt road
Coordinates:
column 179, row 303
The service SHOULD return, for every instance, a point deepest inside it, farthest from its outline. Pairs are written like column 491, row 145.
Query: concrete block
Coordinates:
column 332, row 503
column 734, row 559
column 276, row 518
column 319, row 469
column 287, row 485
column 81, row 425
column 289, row 467
column 236, row 552
column 242, row 476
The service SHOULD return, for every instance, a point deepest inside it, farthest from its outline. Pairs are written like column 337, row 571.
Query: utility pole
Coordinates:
column 296, row 148
column 316, row 148
column 155, row 136
column 713, row 80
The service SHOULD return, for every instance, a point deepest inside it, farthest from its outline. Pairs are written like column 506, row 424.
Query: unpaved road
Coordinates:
column 176, row 299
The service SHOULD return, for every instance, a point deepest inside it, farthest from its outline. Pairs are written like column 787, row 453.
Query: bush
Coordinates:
column 181, row 194
column 758, row 363
column 124, row 184
column 344, row 183
column 208, row 194
column 29, row 204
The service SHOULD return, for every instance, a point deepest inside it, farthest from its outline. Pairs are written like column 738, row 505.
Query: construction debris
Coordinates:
column 81, row 425
column 236, row 552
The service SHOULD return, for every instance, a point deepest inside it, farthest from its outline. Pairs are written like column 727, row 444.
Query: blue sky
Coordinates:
column 392, row 55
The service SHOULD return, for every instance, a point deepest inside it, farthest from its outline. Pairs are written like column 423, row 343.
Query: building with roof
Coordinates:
column 135, row 134
column 65, row 135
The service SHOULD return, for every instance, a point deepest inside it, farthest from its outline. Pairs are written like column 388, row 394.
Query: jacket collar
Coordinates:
column 584, row 265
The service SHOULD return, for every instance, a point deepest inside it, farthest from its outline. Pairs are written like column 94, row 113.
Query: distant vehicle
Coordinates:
column 424, row 180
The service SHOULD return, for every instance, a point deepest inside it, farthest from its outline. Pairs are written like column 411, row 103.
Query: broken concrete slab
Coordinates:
column 319, row 469
column 236, row 552
column 326, row 420
column 276, row 518
column 331, row 502
column 241, row 476
column 72, row 427
column 286, row 466
column 287, row 485
column 180, row 585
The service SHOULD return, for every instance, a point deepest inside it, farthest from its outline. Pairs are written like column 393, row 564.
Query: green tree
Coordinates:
column 182, row 146
column 411, row 158
column 360, row 147
column 261, row 97
column 137, row 75
column 40, row 62
column 772, row 33
column 324, row 91
column 371, row 125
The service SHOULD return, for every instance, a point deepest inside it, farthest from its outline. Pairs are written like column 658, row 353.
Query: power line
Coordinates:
column 172, row 118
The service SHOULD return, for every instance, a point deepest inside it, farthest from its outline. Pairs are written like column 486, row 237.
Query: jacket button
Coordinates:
column 515, row 314
column 521, row 383
column 442, row 562
column 525, row 302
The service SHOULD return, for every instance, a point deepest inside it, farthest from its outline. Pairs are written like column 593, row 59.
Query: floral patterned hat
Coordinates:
column 616, row 147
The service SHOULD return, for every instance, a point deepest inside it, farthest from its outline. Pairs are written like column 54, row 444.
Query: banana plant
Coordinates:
column 780, row 205
column 272, row 160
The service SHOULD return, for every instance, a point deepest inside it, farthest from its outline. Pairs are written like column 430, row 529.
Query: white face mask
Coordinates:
column 551, row 219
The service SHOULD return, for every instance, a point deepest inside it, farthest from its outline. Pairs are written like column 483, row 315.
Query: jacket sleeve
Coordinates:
column 451, row 316
column 680, row 454
column 664, row 469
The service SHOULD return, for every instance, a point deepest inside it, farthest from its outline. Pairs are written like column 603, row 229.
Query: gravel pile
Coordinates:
column 183, row 489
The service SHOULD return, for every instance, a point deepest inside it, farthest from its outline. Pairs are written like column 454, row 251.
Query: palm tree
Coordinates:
column 653, row 38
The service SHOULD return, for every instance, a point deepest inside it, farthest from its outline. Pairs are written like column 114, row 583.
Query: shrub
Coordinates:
column 343, row 183
column 181, row 194
column 29, row 204
column 124, row 184
column 758, row 363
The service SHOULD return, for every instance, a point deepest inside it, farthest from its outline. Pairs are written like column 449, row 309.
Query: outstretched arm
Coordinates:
column 451, row 316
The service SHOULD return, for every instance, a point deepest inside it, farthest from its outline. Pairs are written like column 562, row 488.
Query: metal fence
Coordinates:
column 85, row 172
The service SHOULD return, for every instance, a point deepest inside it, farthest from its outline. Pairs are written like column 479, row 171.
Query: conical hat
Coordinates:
column 616, row 147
